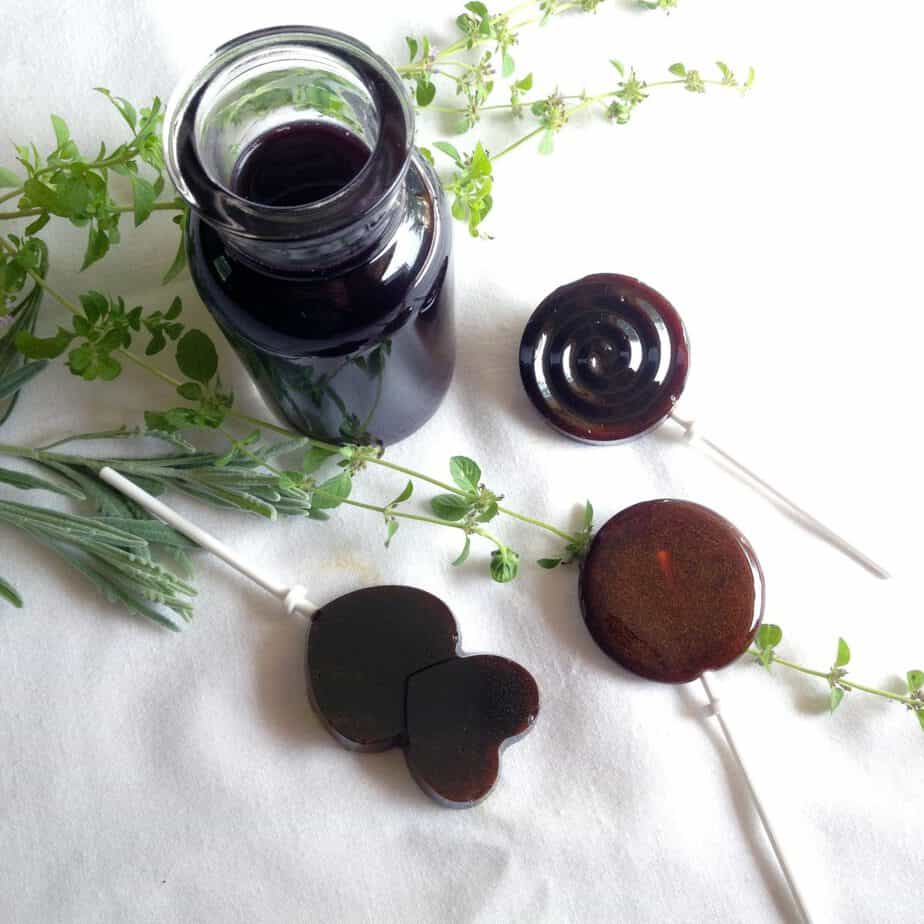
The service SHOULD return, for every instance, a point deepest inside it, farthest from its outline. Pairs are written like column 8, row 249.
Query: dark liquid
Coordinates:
column 384, row 670
column 605, row 358
column 362, row 350
column 298, row 163
column 670, row 589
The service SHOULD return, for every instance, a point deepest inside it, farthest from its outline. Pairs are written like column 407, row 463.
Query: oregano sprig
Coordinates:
column 764, row 652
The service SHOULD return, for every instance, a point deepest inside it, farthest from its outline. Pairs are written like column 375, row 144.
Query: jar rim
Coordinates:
column 220, row 206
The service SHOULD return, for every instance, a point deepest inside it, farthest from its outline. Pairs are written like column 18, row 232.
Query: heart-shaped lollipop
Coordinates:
column 384, row 670
column 605, row 359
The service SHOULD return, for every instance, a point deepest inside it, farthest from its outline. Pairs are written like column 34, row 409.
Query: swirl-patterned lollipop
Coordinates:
column 605, row 359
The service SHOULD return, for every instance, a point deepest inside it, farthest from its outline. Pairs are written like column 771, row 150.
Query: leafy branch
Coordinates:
column 115, row 551
column 471, row 185
column 769, row 637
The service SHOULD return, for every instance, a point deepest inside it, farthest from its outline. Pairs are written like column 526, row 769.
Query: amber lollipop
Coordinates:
column 605, row 359
column 672, row 591
column 384, row 669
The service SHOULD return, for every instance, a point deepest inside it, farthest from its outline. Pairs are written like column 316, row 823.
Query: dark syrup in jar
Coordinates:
column 360, row 350
column 298, row 163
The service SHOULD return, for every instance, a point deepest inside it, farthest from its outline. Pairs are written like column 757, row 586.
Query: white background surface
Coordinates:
column 151, row 777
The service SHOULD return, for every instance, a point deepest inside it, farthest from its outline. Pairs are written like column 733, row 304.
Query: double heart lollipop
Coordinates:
column 384, row 670
column 605, row 360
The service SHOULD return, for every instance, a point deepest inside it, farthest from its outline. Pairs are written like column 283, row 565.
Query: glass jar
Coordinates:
column 318, row 237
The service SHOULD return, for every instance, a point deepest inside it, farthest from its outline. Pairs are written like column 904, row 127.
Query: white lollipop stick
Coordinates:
column 709, row 685
column 803, row 516
column 293, row 598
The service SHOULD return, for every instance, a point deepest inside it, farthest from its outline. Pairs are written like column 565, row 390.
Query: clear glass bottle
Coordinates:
column 318, row 236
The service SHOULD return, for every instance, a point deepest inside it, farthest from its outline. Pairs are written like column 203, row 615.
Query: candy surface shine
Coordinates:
column 670, row 589
column 605, row 358
column 384, row 670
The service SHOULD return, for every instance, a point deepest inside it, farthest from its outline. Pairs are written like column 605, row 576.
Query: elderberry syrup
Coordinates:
column 318, row 237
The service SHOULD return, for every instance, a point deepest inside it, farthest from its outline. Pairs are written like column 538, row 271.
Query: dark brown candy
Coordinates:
column 670, row 589
column 384, row 670
column 460, row 715
column 362, row 647
column 605, row 358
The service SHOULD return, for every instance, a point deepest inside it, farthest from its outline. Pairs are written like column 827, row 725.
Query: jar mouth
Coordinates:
column 196, row 169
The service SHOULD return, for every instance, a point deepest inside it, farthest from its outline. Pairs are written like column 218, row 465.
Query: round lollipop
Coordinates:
column 671, row 591
column 384, row 670
column 605, row 359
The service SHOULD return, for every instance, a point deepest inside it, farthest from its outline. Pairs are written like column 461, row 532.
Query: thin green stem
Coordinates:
column 905, row 700
column 11, row 195
column 542, row 128
column 167, row 205
column 568, row 537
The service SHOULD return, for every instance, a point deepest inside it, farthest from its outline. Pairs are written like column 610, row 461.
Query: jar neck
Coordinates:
column 275, row 80
column 315, row 251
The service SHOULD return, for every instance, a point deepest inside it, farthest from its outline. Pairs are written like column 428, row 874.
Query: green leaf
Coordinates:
column 126, row 109
column 843, row 653
column 12, row 383
column 450, row 507
column 179, row 261
column 191, row 391
column 481, row 163
column 412, row 47
column 8, row 179
column 94, row 305
column 26, row 482
column 41, row 195
column 837, row 696
column 315, row 457
column 588, row 515
column 333, row 492
column 97, row 247
column 143, row 198
column 505, row 565
column 43, row 347
column 769, row 636
column 404, row 495
column 526, row 83
column 508, row 66
column 548, row 563
column 915, row 680
column 196, row 356
column 463, row 555
column 450, row 150
column 465, row 473
column 9, row 593
column 62, row 134
column 547, row 143
column 426, row 92
column 392, row 528
column 678, row 69
column 479, row 9
column 619, row 66
column 920, row 714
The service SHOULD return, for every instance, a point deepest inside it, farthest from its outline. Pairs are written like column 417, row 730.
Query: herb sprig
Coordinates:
column 764, row 652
